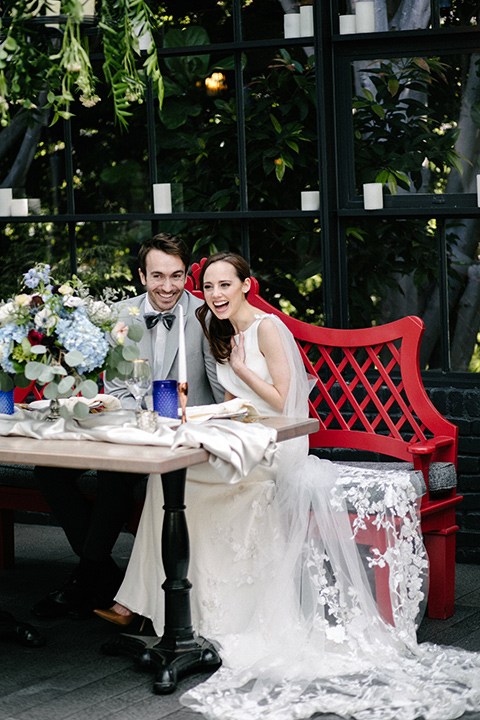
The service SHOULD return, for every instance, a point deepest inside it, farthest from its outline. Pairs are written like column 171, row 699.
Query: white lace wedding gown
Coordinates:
column 279, row 585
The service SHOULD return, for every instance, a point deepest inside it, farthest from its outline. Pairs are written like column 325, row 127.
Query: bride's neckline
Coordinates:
column 256, row 318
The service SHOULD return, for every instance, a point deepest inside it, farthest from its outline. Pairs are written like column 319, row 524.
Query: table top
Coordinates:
column 144, row 459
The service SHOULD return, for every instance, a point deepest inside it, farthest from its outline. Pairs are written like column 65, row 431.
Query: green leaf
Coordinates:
column 279, row 169
column 81, row 410
column 33, row 370
column 130, row 352
column 66, row 384
column 275, row 123
column 74, row 358
column 51, row 391
column 88, row 388
column 6, row 382
column 135, row 333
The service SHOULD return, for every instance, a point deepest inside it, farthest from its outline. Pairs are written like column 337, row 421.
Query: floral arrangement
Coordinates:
column 62, row 338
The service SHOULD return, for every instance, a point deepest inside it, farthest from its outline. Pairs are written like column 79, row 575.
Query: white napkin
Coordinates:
column 235, row 448
column 201, row 413
column 109, row 402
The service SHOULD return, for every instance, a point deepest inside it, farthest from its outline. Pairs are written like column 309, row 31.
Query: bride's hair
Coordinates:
column 219, row 332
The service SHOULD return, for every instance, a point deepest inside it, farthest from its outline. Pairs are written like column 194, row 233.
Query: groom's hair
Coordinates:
column 169, row 244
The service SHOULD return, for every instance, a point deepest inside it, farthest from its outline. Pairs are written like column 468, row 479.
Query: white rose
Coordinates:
column 73, row 301
column 23, row 300
column 65, row 290
column 6, row 313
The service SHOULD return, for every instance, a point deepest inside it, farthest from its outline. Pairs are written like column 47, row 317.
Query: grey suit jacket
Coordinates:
column 203, row 386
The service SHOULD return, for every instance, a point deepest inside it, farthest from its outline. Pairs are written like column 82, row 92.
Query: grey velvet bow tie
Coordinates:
column 151, row 319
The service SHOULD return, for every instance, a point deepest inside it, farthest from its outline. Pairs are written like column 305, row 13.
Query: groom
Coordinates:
column 93, row 530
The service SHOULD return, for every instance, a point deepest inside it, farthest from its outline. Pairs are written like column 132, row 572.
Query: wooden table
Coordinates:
column 179, row 651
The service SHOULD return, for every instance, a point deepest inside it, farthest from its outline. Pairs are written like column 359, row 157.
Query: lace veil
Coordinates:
column 317, row 642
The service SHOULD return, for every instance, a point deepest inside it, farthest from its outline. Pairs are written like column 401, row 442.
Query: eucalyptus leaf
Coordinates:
column 74, row 358
column 66, row 384
column 46, row 374
column 88, row 388
column 51, row 391
column 38, row 349
column 81, row 410
column 131, row 352
column 135, row 332
column 33, row 370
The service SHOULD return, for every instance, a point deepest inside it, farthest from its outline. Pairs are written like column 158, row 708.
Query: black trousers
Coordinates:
column 91, row 529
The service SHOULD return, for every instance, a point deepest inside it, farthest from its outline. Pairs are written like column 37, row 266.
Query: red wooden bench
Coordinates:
column 370, row 397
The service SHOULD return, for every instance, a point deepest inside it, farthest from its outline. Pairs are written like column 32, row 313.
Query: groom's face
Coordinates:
column 164, row 279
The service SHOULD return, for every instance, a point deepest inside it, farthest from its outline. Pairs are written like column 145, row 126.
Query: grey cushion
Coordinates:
column 442, row 475
column 416, row 476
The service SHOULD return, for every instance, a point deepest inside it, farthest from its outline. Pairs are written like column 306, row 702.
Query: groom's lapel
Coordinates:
column 145, row 343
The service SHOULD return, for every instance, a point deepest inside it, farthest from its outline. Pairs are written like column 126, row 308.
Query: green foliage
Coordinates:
column 396, row 130
column 54, row 58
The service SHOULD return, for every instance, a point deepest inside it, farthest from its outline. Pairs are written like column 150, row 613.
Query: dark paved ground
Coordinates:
column 70, row 678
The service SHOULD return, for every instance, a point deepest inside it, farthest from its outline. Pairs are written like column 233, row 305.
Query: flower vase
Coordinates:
column 6, row 402
column 54, row 410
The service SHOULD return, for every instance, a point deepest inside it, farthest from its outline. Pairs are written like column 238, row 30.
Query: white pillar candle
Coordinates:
column 373, row 196
column 52, row 7
column 162, row 198
column 182, row 356
column 365, row 16
column 291, row 25
column 5, row 201
column 347, row 24
column 19, row 207
column 306, row 20
column 34, row 206
column 310, row 200
column 88, row 7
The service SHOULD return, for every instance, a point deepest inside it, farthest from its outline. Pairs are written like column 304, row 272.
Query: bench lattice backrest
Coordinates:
column 368, row 391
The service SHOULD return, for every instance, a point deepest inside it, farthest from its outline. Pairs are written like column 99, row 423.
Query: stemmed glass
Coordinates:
column 140, row 381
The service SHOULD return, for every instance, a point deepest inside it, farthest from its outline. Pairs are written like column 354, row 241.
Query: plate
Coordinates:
column 43, row 404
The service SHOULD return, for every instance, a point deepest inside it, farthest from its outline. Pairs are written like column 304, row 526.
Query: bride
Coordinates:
column 278, row 583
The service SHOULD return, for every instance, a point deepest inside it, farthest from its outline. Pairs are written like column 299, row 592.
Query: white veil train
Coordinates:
column 316, row 642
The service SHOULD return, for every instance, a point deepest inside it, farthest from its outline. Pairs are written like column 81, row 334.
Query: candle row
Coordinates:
column 363, row 21
column 299, row 24
column 17, row 207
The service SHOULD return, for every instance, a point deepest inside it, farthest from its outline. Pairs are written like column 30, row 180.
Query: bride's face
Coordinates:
column 223, row 290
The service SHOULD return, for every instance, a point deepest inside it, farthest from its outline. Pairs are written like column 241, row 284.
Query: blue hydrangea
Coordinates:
column 8, row 334
column 37, row 275
column 77, row 333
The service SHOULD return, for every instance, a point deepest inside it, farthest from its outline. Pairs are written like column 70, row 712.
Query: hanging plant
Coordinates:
column 45, row 48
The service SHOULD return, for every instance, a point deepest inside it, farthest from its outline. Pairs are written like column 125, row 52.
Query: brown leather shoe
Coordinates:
column 114, row 617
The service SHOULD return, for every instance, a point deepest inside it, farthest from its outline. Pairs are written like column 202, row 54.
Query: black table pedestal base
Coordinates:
column 198, row 655
column 179, row 651
column 170, row 665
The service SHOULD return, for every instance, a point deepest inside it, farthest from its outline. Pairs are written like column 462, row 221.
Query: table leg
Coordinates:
column 179, row 651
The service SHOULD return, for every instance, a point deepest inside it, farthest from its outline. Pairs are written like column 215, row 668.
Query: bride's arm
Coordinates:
column 271, row 347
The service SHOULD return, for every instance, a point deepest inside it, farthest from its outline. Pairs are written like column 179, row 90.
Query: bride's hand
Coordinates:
column 237, row 354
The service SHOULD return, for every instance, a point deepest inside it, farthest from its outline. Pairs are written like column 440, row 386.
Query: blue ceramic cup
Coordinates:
column 165, row 398
column 6, row 402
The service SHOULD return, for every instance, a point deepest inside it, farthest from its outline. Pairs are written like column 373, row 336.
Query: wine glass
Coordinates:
column 140, row 381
